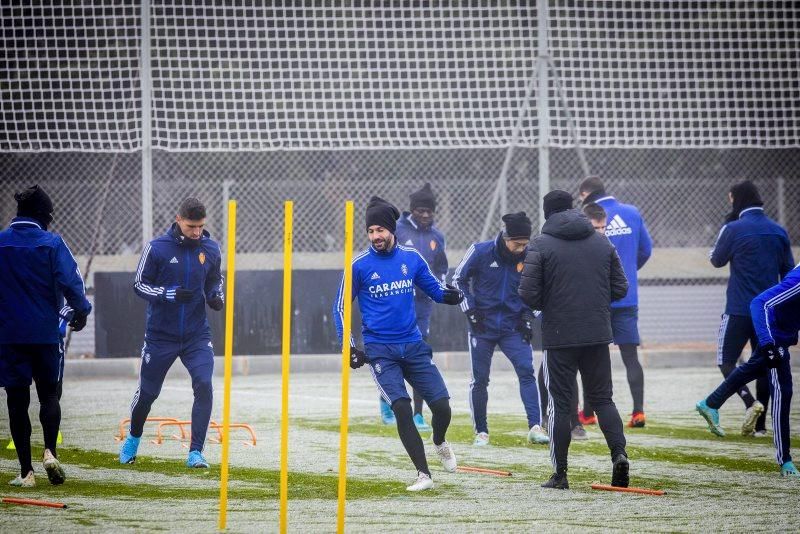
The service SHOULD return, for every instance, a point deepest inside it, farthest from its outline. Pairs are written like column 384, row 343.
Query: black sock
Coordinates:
column 744, row 393
column 630, row 357
column 440, row 420
column 409, row 435
column 762, row 394
column 18, row 400
column 49, row 414
column 139, row 410
column 417, row 401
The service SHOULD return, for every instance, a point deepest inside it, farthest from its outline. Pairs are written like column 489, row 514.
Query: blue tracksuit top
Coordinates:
column 171, row 261
column 490, row 285
column 776, row 312
column 384, row 284
column 760, row 255
column 627, row 232
column 37, row 273
column 429, row 243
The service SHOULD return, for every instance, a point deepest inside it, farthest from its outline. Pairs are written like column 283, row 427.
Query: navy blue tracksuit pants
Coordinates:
column 780, row 386
column 481, row 349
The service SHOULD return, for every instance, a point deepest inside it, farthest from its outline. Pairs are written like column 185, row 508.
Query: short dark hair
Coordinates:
column 192, row 209
column 594, row 211
column 590, row 184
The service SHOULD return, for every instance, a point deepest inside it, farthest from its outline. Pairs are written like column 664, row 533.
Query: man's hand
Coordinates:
column 772, row 353
column 78, row 322
column 357, row 357
column 452, row 295
column 475, row 318
column 525, row 326
column 215, row 302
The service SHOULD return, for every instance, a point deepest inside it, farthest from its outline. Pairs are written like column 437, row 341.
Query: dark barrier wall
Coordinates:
column 120, row 316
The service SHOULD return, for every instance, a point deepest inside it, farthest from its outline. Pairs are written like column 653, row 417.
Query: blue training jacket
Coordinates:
column 759, row 252
column 37, row 272
column 776, row 312
column 627, row 232
column 167, row 263
column 490, row 285
column 384, row 283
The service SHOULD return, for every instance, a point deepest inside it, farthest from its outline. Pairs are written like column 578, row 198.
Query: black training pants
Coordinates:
column 560, row 371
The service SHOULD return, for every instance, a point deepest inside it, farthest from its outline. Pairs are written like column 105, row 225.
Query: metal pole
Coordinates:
column 781, row 201
column 543, row 105
column 226, row 196
column 147, row 156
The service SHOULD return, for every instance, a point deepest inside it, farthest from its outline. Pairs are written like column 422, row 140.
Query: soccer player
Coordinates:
column 759, row 254
column 489, row 278
column 178, row 274
column 572, row 274
column 384, row 277
column 37, row 273
column 416, row 229
column 627, row 232
column 776, row 319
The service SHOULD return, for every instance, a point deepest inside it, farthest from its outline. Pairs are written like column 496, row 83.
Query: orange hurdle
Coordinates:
column 121, row 436
column 642, row 491
column 248, row 428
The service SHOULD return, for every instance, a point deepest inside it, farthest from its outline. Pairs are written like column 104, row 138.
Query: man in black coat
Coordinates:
column 572, row 274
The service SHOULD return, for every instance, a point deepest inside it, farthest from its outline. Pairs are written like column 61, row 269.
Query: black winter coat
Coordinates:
column 572, row 274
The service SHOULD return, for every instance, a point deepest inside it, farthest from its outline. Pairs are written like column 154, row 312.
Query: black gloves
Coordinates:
column 178, row 294
column 451, row 295
column 78, row 322
column 772, row 353
column 525, row 326
column 215, row 302
column 475, row 318
column 357, row 357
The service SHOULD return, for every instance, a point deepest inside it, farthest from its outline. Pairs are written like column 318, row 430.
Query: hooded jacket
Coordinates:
column 430, row 243
column 776, row 312
column 172, row 261
column 572, row 274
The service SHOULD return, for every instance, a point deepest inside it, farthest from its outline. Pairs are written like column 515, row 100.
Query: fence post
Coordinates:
column 147, row 156
column 781, row 200
column 543, row 111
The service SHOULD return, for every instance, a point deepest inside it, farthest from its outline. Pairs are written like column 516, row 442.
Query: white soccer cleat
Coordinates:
column 537, row 435
column 28, row 482
column 55, row 472
column 481, row 439
column 422, row 483
column 751, row 415
column 448, row 457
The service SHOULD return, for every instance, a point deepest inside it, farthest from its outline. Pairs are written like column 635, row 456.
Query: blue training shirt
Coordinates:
column 384, row 284
column 776, row 312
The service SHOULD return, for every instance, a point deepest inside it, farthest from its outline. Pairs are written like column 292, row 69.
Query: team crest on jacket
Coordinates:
column 202, row 258
column 433, row 244
column 519, row 267
column 378, row 368
column 404, row 269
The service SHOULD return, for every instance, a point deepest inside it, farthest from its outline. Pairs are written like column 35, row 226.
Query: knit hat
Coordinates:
column 423, row 198
column 556, row 201
column 33, row 202
column 517, row 226
column 381, row 213
column 745, row 195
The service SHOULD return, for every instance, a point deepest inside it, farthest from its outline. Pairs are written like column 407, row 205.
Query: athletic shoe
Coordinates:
column 55, row 473
column 28, row 482
column 538, row 436
column 711, row 415
column 557, row 482
column 481, row 439
column 619, row 471
column 422, row 483
column 760, row 434
column 419, row 422
column 579, row 433
column 787, row 470
column 751, row 415
column 586, row 419
column 448, row 457
column 637, row 420
column 387, row 415
column 127, row 453
column 196, row 459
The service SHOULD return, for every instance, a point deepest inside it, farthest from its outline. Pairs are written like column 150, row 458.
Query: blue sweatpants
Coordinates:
column 481, row 349
column 157, row 357
column 423, row 308
column 780, row 385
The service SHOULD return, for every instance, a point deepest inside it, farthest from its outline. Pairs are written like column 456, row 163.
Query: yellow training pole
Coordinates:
column 226, row 402
column 347, row 297
column 286, row 349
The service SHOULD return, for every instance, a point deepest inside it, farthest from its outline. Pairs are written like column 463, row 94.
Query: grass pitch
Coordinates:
column 714, row 484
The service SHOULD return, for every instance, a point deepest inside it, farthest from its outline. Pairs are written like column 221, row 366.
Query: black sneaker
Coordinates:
column 619, row 473
column 557, row 482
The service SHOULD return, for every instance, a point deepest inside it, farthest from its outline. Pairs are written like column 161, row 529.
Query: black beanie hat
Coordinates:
column 745, row 195
column 423, row 198
column 556, row 201
column 33, row 202
column 517, row 226
column 382, row 213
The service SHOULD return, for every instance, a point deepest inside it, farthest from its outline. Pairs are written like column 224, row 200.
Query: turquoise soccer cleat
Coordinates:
column 127, row 453
column 196, row 460
column 711, row 416
column 387, row 415
column 421, row 424
column 789, row 470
